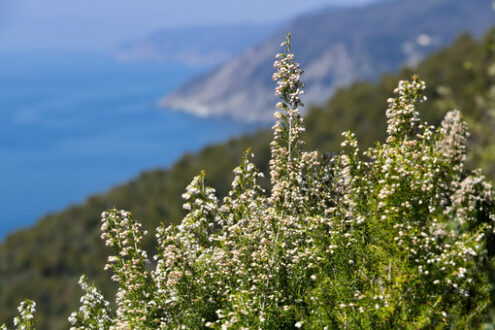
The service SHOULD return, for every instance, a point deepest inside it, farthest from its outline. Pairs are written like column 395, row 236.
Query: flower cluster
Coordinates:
column 124, row 234
column 94, row 312
column 392, row 237
column 25, row 320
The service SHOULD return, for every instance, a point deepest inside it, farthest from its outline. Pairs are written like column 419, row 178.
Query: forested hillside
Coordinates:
column 44, row 262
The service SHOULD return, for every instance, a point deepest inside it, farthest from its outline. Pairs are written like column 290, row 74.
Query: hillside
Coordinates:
column 45, row 261
column 194, row 46
column 336, row 46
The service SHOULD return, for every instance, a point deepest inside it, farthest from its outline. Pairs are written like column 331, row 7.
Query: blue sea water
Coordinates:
column 74, row 124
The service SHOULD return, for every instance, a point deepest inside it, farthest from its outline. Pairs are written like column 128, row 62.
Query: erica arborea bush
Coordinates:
column 391, row 237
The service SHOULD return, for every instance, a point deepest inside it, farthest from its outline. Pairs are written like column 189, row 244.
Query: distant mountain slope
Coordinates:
column 195, row 46
column 335, row 46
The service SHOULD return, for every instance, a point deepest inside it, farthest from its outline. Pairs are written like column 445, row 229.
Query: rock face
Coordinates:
column 335, row 46
column 194, row 46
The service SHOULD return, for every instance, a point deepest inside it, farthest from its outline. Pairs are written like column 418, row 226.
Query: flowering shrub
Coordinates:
column 392, row 237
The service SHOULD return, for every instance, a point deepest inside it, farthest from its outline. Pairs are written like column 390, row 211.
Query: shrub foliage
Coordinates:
column 391, row 237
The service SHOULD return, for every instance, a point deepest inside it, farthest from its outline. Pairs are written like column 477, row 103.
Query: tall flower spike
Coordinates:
column 122, row 232
column 245, row 191
column 454, row 136
column 94, row 312
column 202, row 205
column 25, row 320
column 403, row 119
column 288, row 127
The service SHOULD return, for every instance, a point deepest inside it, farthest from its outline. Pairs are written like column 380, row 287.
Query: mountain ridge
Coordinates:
column 336, row 46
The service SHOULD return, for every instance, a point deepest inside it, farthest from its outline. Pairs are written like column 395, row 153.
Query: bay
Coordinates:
column 75, row 124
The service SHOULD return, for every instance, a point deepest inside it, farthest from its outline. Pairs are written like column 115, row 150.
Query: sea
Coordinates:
column 74, row 124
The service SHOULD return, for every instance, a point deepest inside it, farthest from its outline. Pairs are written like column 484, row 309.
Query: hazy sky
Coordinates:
column 102, row 24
